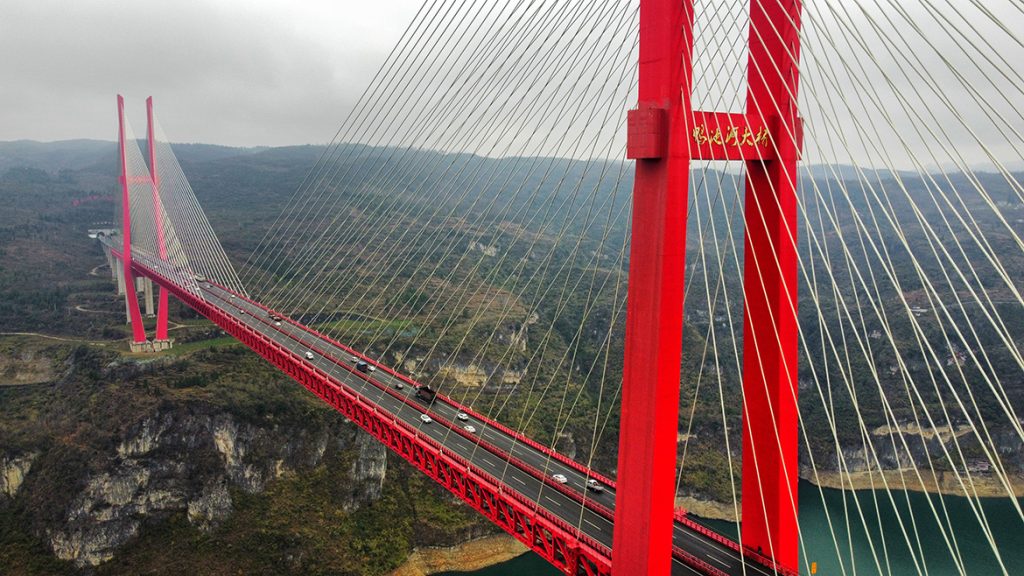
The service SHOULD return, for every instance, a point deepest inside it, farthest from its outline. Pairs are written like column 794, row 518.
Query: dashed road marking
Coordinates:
column 553, row 501
column 710, row 557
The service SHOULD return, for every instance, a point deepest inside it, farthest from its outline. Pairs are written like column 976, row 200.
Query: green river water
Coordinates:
column 891, row 555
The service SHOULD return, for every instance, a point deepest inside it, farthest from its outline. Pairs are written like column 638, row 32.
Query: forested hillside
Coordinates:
column 208, row 456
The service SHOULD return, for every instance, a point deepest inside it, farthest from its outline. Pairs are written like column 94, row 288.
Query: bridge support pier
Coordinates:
column 128, row 308
column 150, row 346
column 147, row 291
column 119, row 275
column 111, row 262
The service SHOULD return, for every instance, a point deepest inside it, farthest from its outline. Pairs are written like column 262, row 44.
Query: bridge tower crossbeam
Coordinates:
column 664, row 135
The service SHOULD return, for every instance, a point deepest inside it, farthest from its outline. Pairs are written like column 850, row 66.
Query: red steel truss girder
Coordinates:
column 553, row 539
column 405, row 445
column 594, row 506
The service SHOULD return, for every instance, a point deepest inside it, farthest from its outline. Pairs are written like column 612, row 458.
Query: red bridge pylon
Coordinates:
column 664, row 135
column 158, row 217
column 126, row 275
column 131, row 298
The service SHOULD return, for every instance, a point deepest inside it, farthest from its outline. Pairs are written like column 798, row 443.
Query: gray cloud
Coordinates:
column 272, row 72
column 266, row 72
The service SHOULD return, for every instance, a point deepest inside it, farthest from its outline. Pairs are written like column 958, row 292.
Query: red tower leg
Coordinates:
column 158, row 211
column 138, row 330
column 645, row 492
column 770, row 434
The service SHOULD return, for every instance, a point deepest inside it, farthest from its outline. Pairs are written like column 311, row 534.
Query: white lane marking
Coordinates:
column 689, row 569
column 553, row 501
column 519, row 480
column 592, row 524
column 716, row 547
column 757, row 568
column 710, row 557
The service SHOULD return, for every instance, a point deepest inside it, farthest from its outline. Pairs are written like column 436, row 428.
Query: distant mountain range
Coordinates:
column 85, row 153
column 81, row 154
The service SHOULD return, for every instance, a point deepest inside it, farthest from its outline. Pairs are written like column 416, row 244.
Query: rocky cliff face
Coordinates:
column 476, row 375
column 188, row 461
column 368, row 471
column 473, row 555
column 908, row 447
column 25, row 366
column 472, row 372
column 897, row 452
column 209, row 464
column 12, row 472
column 901, row 457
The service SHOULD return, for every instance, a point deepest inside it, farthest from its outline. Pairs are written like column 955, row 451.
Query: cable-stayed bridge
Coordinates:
column 391, row 258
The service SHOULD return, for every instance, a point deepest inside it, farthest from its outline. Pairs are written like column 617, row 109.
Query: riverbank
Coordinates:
column 490, row 550
column 472, row 555
column 820, row 531
column 945, row 483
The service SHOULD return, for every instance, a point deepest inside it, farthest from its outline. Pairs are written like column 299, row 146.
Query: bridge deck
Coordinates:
column 519, row 465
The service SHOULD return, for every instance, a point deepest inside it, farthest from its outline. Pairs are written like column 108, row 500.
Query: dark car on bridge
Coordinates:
column 425, row 393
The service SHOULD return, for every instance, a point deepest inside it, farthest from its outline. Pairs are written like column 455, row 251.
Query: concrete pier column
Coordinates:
column 119, row 274
column 147, row 291
column 110, row 262
column 127, row 309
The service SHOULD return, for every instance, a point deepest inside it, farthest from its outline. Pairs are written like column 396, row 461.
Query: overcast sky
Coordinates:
column 277, row 72
column 252, row 72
